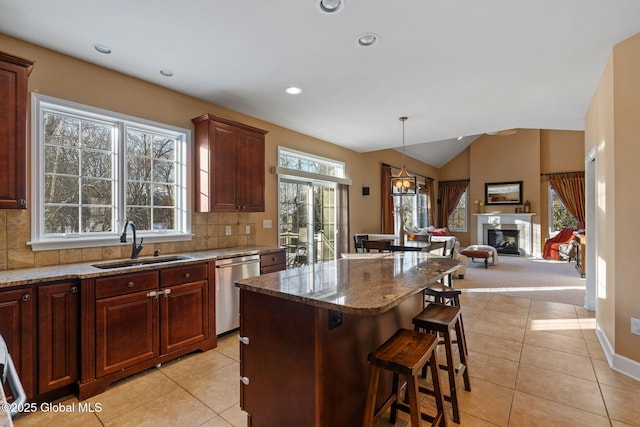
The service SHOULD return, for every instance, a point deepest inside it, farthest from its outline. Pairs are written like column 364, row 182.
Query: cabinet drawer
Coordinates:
column 126, row 284
column 271, row 269
column 184, row 274
column 273, row 258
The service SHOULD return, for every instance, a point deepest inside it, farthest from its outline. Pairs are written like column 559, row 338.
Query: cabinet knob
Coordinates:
column 187, row 275
column 26, row 297
column 244, row 340
column 74, row 289
column 244, row 380
column 153, row 294
column 166, row 293
column 22, row 202
column 130, row 284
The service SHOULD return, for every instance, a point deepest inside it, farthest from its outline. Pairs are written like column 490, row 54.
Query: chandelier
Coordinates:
column 403, row 184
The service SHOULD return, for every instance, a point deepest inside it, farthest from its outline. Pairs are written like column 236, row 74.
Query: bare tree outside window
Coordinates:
column 95, row 169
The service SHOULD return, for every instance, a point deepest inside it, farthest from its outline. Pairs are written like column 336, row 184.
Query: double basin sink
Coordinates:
column 141, row 261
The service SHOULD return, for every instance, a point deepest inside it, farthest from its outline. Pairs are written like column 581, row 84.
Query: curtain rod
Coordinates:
column 455, row 180
column 419, row 174
column 562, row 173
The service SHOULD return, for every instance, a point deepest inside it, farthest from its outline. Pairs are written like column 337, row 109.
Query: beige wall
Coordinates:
column 522, row 156
column 65, row 77
column 612, row 130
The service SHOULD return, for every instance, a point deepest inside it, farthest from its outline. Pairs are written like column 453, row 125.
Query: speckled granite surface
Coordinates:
column 364, row 284
column 28, row 276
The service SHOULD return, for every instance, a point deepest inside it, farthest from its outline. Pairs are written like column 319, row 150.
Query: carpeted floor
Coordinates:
column 533, row 278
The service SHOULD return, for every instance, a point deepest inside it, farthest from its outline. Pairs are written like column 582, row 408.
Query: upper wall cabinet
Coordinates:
column 14, row 72
column 229, row 160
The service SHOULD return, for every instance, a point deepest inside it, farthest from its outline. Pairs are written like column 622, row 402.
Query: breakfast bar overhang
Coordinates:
column 305, row 334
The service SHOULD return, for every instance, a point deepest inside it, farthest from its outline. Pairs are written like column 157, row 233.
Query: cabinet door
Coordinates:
column 13, row 138
column 16, row 327
column 250, row 172
column 126, row 331
column 224, row 186
column 58, row 335
column 184, row 315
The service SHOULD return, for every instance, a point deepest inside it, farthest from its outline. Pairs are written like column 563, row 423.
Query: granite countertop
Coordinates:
column 360, row 284
column 28, row 276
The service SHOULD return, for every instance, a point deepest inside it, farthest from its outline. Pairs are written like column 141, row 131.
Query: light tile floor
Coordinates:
column 531, row 362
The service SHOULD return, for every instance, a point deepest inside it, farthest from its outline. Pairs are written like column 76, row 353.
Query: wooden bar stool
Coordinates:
column 442, row 294
column 441, row 319
column 405, row 353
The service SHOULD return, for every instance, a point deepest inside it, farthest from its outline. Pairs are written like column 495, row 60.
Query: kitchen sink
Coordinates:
column 141, row 261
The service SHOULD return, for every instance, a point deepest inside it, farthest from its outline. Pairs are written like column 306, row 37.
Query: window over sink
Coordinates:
column 94, row 169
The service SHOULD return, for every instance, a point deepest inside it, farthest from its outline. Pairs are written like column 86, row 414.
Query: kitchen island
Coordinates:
column 305, row 334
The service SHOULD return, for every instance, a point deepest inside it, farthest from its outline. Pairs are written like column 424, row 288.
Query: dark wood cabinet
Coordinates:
column 143, row 319
column 14, row 72
column 58, row 335
column 126, row 331
column 183, row 307
column 17, row 313
column 273, row 261
column 229, row 168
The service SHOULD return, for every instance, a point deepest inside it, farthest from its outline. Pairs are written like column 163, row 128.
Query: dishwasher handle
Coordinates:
column 235, row 264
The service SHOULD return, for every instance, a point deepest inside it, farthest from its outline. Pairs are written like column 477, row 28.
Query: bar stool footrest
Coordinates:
column 429, row 418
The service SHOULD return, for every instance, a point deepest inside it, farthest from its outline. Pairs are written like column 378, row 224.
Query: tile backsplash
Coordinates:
column 208, row 231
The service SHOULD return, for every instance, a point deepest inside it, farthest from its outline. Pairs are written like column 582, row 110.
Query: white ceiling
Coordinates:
column 454, row 67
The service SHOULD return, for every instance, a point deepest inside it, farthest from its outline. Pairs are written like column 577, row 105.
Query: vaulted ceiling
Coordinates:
column 454, row 67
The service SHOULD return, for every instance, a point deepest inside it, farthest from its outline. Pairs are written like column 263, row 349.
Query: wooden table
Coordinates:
column 306, row 333
column 411, row 245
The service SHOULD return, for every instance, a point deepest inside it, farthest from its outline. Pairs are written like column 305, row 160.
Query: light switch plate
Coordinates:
column 266, row 223
column 227, row 230
column 635, row 326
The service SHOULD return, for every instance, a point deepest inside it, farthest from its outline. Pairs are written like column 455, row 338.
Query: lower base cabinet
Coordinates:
column 126, row 331
column 17, row 311
column 138, row 320
column 58, row 336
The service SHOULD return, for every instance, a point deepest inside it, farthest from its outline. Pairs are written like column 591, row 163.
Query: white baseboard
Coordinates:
column 618, row 363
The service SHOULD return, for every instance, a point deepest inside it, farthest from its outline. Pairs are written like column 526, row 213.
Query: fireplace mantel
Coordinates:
column 496, row 219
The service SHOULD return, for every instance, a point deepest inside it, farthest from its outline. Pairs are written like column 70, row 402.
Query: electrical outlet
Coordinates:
column 247, row 229
column 635, row 326
column 227, row 230
column 266, row 223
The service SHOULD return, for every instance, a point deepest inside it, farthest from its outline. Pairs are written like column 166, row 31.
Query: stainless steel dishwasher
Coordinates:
column 228, row 270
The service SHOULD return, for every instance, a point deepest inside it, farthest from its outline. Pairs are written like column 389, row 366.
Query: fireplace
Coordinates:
column 505, row 241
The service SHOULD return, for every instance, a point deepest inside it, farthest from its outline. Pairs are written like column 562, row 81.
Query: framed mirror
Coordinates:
column 503, row 193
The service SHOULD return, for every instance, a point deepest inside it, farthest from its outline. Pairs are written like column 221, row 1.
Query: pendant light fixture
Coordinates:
column 403, row 184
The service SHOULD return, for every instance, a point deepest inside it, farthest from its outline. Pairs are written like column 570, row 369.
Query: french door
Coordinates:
column 307, row 220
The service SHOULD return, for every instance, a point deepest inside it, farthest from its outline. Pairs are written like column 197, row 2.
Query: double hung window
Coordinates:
column 95, row 169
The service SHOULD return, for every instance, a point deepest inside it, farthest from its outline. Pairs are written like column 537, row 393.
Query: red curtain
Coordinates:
column 449, row 194
column 569, row 186
column 387, row 200
column 431, row 194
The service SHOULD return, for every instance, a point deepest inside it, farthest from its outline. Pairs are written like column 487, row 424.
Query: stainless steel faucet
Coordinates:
column 135, row 249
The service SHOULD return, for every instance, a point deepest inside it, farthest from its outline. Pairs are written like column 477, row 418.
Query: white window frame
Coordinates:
column 550, row 192
column 40, row 241
column 464, row 196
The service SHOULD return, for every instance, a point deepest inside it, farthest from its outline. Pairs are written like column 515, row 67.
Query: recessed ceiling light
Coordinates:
column 102, row 48
column 166, row 73
column 459, row 138
column 330, row 6
column 292, row 90
column 368, row 39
